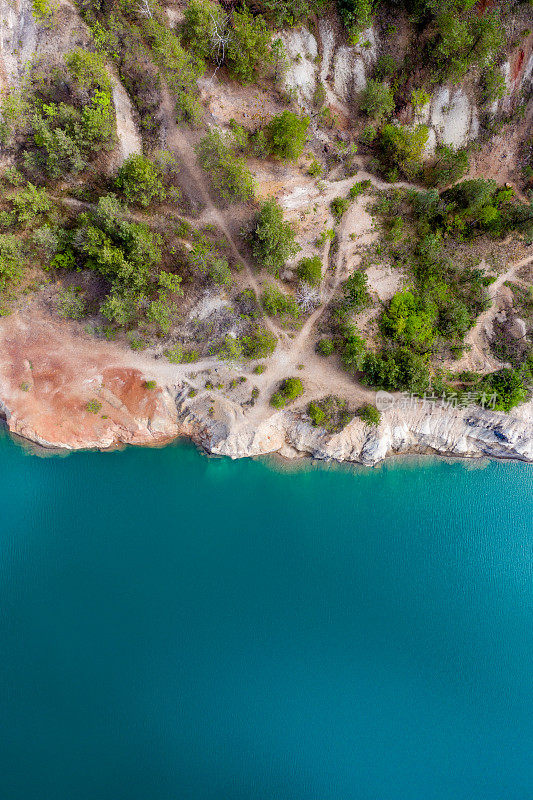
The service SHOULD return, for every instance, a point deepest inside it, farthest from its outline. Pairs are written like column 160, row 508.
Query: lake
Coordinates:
column 175, row 627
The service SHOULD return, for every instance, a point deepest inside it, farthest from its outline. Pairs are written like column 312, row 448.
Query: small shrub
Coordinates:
column 338, row 207
column 358, row 188
column 330, row 412
column 179, row 355
column 317, row 414
column 11, row 261
column 93, row 406
column 277, row 400
column 150, row 384
column 370, row 414
column 309, row 270
column 276, row 302
column 259, row 369
column 228, row 172
column 325, row 347
column 368, row 135
column 419, row 98
column 315, row 169
column 71, row 303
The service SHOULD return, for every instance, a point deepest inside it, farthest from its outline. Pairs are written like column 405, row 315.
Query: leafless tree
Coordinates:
column 307, row 297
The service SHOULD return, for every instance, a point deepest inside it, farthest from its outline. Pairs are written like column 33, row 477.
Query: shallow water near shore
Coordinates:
column 175, row 627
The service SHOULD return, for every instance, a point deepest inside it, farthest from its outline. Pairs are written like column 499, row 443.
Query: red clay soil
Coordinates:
column 517, row 64
column 484, row 5
column 51, row 376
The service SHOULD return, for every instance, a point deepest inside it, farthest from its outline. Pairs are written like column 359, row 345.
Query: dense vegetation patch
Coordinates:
column 331, row 413
column 64, row 117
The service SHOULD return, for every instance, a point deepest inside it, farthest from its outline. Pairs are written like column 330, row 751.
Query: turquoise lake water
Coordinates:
column 175, row 627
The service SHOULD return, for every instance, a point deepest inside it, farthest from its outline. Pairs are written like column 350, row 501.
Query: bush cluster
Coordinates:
column 289, row 390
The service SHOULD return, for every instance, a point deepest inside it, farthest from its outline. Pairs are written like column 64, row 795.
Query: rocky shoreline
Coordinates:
column 222, row 428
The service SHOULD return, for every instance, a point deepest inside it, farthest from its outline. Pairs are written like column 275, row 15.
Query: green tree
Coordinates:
column 248, row 53
column 356, row 295
column 354, row 352
column 395, row 370
column 492, row 84
column 11, row 260
column 276, row 302
column 259, row 343
column 139, row 179
column 403, row 148
column 30, row 205
column 290, row 389
column 309, row 270
column 509, row 387
column 203, row 20
column 286, row 135
column 409, row 321
column 449, row 167
column 356, row 14
column 377, row 100
column 287, row 12
column 272, row 238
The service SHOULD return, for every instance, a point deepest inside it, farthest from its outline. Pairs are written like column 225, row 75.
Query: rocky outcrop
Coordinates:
column 453, row 112
column 422, row 428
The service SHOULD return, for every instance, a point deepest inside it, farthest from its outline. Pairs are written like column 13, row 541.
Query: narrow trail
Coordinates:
column 177, row 141
column 478, row 357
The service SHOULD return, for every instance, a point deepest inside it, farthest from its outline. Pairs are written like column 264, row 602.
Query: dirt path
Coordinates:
column 479, row 356
column 197, row 188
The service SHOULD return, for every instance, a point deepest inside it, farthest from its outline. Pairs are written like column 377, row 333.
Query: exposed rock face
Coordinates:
column 129, row 139
column 452, row 115
column 342, row 69
column 18, row 40
column 422, row 428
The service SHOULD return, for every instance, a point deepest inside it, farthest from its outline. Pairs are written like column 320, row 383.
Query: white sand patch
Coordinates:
column 327, row 38
column 207, row 306
column 128, row 136
column 450, row 117
column 384, row 281
column 301, row 46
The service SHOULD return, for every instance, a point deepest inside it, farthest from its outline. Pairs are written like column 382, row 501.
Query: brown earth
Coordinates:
column 48, row 375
